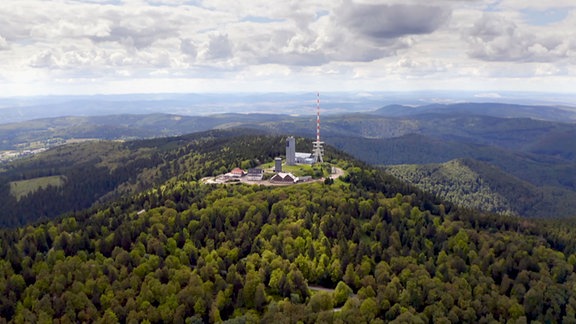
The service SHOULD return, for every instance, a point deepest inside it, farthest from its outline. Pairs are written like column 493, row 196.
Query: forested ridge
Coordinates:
column 479, row 185
column 101, row 171
column 188, row 252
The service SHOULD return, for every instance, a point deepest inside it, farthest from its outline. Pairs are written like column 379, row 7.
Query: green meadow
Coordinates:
column 22, row 188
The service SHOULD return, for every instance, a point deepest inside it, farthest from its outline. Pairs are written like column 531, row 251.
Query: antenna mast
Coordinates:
column 318, row 150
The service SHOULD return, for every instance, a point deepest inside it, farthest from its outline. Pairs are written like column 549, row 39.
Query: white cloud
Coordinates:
column 342, row 43
column 219, row 47
column 495, row 38
column 3, row 43
column 44, row 59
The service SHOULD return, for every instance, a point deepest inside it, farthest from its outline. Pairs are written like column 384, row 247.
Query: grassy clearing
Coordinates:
column 298, row 170
column 21, row 188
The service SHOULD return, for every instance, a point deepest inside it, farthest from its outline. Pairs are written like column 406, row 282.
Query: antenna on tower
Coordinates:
column 318, row 149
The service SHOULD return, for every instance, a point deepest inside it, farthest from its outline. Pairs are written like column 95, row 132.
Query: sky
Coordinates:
column 57, row 47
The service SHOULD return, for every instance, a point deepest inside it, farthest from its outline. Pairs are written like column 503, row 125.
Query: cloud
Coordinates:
column 360, row 32
column 188, row 47
column 382, row 21
column 313, row 58
column 359, row 40
column 496, row 38
column 3, row 43
column 219, row 47
column 44, row 59
column 110, row 34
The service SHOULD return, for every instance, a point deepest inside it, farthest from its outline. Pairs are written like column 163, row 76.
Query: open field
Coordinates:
column 21, row 188
column 298, row 170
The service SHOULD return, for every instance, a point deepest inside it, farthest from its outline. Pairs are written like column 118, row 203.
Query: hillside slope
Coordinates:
column 478, row 185
column 189, row 252
column 104, row 170
column 541, row 170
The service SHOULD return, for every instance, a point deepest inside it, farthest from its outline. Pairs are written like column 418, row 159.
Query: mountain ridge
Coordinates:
column 492, row 109
column 479, row 185
column 539, row 152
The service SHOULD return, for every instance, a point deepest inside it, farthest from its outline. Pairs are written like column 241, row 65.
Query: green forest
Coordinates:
column 367, row 248
column 480, row 185
column 102, row 171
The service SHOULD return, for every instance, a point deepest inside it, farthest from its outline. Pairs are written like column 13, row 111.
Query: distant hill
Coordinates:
column 188, row 104
column 491, row 109
column 99, row 171
column 538, row 169
column 114, row 127
column 480, row 185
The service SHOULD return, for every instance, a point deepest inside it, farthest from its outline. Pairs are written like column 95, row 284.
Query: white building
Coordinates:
column 290, row 151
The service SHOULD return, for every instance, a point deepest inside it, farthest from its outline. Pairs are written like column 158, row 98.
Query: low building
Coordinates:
column 282, row 177
column 236, row 173
column 255, row 174
column 304, row 158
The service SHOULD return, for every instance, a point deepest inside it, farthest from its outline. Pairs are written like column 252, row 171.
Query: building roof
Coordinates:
column 303, row 155
column 237, row 171
column 285, row 177
column 255, row 171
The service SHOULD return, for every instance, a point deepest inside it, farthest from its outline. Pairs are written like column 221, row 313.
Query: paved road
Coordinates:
column 319, row 288
column 330, row 290
column 338, row 172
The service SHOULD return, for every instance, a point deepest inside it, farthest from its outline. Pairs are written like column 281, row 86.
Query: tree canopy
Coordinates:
column 189, row 252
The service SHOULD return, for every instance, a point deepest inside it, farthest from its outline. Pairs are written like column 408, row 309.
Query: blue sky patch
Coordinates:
column 260, row 19
column 544, row 17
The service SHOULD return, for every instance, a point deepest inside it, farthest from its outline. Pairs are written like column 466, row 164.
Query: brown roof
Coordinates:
column 237, row 171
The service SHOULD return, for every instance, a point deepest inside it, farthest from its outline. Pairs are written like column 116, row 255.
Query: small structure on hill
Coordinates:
column 282, row 177
column 304, row 158
column 236, row 173
column 255, row 174
column 278, row 164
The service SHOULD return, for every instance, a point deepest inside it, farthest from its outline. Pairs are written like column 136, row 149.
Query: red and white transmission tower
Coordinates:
column 317, row 147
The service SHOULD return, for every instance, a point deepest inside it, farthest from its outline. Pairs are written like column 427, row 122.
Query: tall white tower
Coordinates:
column 317, row 148
column 290, row 151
